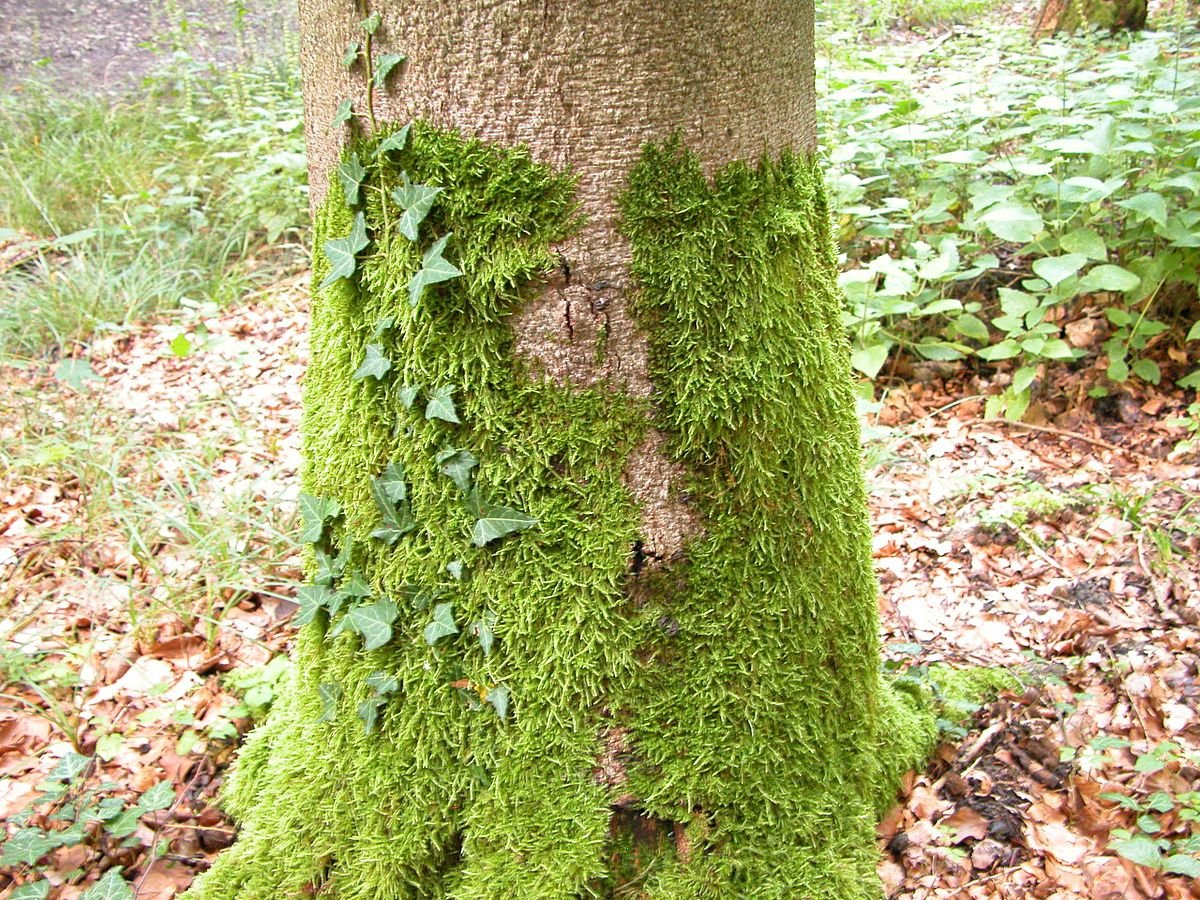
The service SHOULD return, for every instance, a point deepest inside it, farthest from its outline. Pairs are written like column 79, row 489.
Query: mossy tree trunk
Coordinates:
column 1072, row 15
column 591, row 610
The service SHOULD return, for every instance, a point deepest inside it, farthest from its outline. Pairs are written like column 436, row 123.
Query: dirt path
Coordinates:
column 110, row 45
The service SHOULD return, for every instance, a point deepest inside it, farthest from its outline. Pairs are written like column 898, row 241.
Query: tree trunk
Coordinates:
column 592, row 609
column 1072, row 15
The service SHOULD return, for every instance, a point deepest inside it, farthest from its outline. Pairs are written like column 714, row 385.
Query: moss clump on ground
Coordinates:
column 761, row 739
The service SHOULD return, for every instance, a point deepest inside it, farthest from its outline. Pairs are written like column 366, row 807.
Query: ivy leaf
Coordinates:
column 498, row 521
column 342, row 252
column 384, row 323
column 368, row 711
column 31, row 890
column 351, row 173
column 160, row 796
column 397, row 520
column 474, row 504
column 371, row 23
column 397, row 523
column 382, row 683
column 442, row 624
column 498, row 697
column 376, row 365
column 356, row 588
column 350, row 57
column 408, row 395
column 374, row 622
column 26, row 847
column 331, row 696
column 424, row 596
column 455, row 568
column 434, row 270
column 315, row 512
column 111, row 887
column 328, row 568
column 384, row 66
column 458, row 464
column 441, row 404
column 392, row 482
column 343, row 115
column 416, row 200
column 69, row 767
column 397, row 140
column 483, row 631
column 312, row 599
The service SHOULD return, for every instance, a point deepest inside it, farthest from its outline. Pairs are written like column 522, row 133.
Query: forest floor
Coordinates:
column 1068, row 554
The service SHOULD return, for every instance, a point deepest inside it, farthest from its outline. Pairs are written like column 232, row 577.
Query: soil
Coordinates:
column 110, row 45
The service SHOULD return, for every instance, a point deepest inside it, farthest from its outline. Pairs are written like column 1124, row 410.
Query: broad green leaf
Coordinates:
column 397, row 140
column 75, row 372
column 498, row 521
column 474, row 504
column 384, row 66
column 1056, row 348
column 312, row 599
column 375, row 365
column 350, row 173
column 371, row 23
column 870, row 359
column 342, row 252
column 111, row 887
column 331, row 696
column 971, row 326
column 441, row 404
column 31, row 890
column 458, row 465
column 1109, row 278
column 1176, row 865
column 26, row 847
column 1118, row 370
column 1140, row 849
column 1086, row 242
column 382, row 683
column 315, row 512
column 350, row 57
column 1147, row 370
column 368, row 712
column 1006, row 349
column 343, row 115
column 160, row 796
column 498, row 697
column 434, row 270
column 408, row 395
column 1023, row 378
column 1148, row 205
column 1056, row 269
column 1194, row 332
column 962, row 157
column 374, row 622
column 392, row 482
column 1013, row 222
column 442, row 625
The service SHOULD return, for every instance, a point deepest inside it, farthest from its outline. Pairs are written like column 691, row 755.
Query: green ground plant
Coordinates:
column 984, row 208
column 127, row 229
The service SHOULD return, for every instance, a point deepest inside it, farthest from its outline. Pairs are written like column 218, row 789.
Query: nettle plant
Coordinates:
column 986, row 212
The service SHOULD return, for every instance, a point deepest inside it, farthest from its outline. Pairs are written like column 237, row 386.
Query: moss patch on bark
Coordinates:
column 744, row 677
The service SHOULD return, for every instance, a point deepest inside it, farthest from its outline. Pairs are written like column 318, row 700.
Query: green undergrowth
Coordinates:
column 189, row 191
column 457, row 689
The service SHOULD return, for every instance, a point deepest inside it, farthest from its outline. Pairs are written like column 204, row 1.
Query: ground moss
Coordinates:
column 762, row 740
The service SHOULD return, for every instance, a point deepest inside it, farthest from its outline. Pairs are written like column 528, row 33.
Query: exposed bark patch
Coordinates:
column 654, row 480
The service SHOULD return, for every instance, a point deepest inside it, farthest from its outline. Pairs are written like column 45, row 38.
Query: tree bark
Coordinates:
column 667, row 685
column 1072, row 15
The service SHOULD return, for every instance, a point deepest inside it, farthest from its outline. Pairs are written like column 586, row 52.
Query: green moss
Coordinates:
column 763, row 706
column 762, row 739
